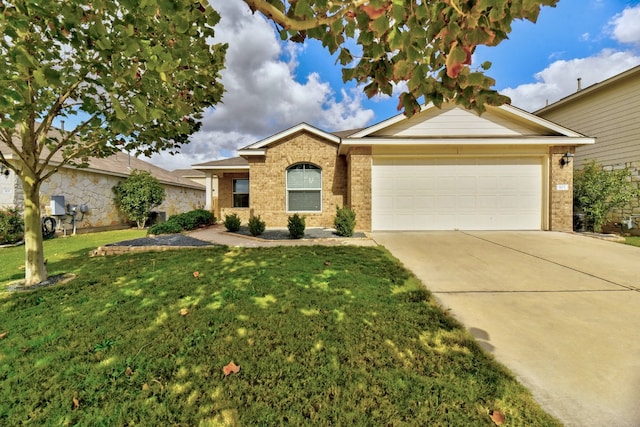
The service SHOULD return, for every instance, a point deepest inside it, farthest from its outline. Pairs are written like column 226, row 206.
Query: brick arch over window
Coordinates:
column 304, row 188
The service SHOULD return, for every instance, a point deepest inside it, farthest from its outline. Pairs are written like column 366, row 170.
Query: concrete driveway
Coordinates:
column 562, row 311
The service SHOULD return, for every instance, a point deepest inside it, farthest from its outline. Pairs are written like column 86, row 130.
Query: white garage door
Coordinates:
column 457, row 193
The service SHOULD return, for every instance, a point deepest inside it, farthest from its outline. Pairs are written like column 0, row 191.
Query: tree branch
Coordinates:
column 293, row 24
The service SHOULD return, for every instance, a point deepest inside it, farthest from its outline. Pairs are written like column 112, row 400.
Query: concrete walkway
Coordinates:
column 562, row 311
column 217, row 234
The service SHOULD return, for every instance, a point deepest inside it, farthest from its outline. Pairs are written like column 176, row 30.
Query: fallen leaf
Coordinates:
column 76, row 402
column 128, row 371
column 3, row 335
column 497, row 417
column 231, row 368
column 196, row 274
column 327, row 263
column 184, row 312
column 145, row 386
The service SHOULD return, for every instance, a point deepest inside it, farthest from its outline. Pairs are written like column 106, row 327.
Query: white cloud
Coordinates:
column 626, row 25
column 262, row 95
column 560, row 78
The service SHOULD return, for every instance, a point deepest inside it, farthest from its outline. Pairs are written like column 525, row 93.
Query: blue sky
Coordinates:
column 271, row 85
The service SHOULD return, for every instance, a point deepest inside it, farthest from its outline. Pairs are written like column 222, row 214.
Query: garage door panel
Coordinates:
column 467, row 193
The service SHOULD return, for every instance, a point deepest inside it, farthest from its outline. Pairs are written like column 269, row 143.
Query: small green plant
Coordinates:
column 345, row 221
column 598, row 191
column 256, row 225
column 296, row 226
column 104, row 345
column 11, row 226
column 167, row 227
column 232, row 222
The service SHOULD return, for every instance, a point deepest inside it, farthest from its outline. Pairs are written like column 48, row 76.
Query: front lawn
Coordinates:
column 322, row 335
column 632, row 240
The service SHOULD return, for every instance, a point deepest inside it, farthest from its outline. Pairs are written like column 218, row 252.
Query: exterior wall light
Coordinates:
column 566, row 158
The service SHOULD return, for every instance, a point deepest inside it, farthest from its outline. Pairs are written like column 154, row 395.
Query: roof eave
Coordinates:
column 546, row 141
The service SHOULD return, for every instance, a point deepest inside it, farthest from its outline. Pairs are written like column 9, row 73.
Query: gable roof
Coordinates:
column 510, row 121
column 454, row 125
column 257, row 148
column 632, row 72
column 119, row 164
column 232, row 163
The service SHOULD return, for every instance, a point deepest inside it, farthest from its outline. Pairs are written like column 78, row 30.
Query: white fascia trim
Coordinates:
column 540, row 121
column 286, row 133
column 558, row 140
column 252, row 152
column 386, row 123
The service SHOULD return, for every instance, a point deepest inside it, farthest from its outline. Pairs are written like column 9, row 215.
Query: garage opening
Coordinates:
column 475, row 193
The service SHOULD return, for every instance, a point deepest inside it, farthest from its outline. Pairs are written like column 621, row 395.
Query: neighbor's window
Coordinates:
column 240, row 193
column 304, row 188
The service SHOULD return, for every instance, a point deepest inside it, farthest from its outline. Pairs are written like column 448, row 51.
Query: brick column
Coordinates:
column 359, row 186
column 561, row 190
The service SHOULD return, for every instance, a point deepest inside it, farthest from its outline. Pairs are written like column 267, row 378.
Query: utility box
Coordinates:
column 57, row 205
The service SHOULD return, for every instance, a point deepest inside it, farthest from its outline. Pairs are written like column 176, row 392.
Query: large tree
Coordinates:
column 138, row 73
column 132, row 75
column 426, row 43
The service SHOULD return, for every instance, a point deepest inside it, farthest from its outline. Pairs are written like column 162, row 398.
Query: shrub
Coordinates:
column 11, row 226
column 598, row 191
column 203, row 217
column 345, row 221
column 167, row 227
column 232, row 222
column 256, row 225
column 193, row 219
column 137, row 195
column 296, row 226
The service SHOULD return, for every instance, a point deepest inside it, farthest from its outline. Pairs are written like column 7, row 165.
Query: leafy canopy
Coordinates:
column 137, row 195
column 426, row 43
column 135, row 74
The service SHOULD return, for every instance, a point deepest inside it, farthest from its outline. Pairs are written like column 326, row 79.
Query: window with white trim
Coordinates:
column 240, row 193
column 304, row 188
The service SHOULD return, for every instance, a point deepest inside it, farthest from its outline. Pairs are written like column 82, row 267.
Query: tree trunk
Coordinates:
column 34, row 268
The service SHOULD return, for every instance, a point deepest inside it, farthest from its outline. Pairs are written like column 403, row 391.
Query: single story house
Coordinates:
column 91, row 188
column 610, row 112
column 442, row 169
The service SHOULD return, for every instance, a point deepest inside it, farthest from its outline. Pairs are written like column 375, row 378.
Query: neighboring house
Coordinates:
column 92, row 187
column 442, row 169
column 610, row 112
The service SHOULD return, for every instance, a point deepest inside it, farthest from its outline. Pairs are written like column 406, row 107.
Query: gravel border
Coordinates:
column 163, row 240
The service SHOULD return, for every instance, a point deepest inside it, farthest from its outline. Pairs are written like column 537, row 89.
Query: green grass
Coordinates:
column 323, row 336
column 60, row 248
column 632, row 240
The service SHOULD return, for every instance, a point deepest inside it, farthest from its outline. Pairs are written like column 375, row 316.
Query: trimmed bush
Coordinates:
column 296, row 226
column 184, row 221
column 345, row 221
column 167, row 227
column 232, row 222
column 11, row 226
column 256, row 226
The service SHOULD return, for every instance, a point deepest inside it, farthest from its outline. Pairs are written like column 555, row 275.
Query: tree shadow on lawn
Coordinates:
column 323, row 335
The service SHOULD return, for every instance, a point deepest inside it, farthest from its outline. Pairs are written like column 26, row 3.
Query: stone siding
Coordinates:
column 80, row 186
column 11, row 194
column 560, row 200
column 267, row 183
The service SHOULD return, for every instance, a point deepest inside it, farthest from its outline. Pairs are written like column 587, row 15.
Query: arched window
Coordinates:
column 304, row 188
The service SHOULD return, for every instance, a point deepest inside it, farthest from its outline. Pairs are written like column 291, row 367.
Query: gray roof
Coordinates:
column 234, row 161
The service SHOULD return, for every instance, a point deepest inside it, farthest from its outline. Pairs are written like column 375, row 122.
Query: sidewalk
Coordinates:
column 217, row 234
